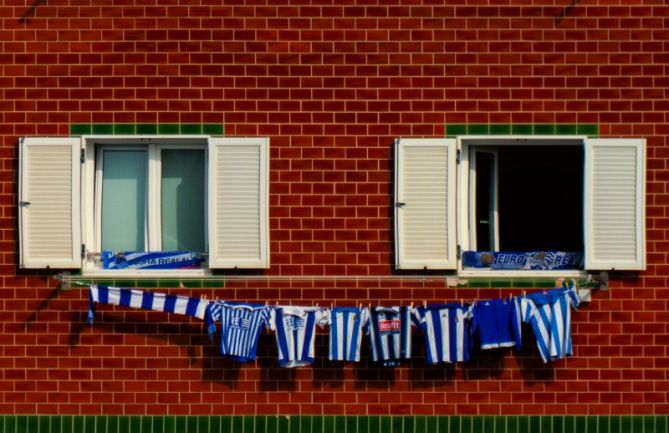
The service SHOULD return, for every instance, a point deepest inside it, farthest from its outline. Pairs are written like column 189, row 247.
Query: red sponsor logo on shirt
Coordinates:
column 389, row 325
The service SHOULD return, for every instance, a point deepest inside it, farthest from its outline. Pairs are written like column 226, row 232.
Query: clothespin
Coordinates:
column 331, row 305
column 411, row 305
column 462, row 302
column 510, row 296
column 573, row 283
column 424, row 303
column 316, row 304
column 360, row 305
column 524, row 293
column 559, row 282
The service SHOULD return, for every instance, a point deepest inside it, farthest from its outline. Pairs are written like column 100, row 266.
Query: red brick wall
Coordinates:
column 332, row 83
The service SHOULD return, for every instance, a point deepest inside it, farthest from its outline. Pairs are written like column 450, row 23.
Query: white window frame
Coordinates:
column 464, row 204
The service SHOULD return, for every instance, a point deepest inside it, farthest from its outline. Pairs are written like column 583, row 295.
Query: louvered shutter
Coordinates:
column 49, row 203
column 425, row 204
column 238, row 203
column 614, row 204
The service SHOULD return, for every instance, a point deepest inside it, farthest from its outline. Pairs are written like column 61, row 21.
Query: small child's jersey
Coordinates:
column 241, row 325
column 295, row 328
column 346, row 333
column 550, row 316
column 389, row 331
column 447, row 332
column 194, row 307
column 498, row 323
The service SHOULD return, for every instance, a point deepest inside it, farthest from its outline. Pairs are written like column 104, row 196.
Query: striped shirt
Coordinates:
column 389, row 330
column 446, row 329
column 295, row 329
column 550, row 316
column 241, row 325
column 132, row 298
column 346, row 333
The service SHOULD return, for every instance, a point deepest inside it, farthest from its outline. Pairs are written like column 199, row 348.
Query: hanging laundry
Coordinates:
column 241, row 325
column 132, row 298
column 446, row 329
column 346, row 333
column 550, row 316
column 389, row 331
column 295, row 328
column 498, row 323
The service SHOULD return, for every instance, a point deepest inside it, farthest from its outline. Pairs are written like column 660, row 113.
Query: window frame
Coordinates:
column 463, row 188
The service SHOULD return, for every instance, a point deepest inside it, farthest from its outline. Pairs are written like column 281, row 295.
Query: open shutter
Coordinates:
column 614, row 204
column 238, row 203
column 49, row 203
column 425, row 204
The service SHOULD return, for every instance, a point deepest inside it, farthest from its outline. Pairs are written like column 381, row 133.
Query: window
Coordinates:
column 80, row 197
column 539, row 197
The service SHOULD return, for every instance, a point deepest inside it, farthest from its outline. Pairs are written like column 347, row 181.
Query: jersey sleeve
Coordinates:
column 323, row 317
column 527, row 309
column 572, row 297
column 212, row 314
column 270, row 324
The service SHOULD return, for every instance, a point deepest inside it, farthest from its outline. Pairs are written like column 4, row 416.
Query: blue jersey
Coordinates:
column 241, row 325
column 389, row 330
column 346, row 333
column 194, row 307
column 550, row 316
column 295, row 329
column 498, row 323
column 447, row 332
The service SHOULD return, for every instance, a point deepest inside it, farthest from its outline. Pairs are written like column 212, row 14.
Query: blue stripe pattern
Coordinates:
column 153, row 301
column 389, row 330
column 447, row 330
column 295, row 330
column 241, row 325
column 345, row 335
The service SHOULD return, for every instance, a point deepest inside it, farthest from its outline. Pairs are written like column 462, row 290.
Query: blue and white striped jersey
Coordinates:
column 241, row 325
column 550, row 316
column 132, row 298
column 447, row 332
column 498, row 323
column 346, row 333
column 295, row 329
column 389, row 330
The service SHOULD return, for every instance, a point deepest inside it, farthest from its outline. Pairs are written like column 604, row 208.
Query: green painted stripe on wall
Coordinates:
column 146, row 128
column 332, row 424
column 522, row 129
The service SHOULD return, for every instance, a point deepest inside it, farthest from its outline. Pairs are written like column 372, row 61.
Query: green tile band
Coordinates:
column 333, row 424
column 522, row 129
column 146, row 128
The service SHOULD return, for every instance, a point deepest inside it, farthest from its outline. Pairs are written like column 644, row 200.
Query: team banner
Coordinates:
column 534, row 260
column 151, row 260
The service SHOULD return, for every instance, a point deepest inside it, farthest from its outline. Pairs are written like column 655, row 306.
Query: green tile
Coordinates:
column 135, row 424
column 328, row 424
column 145, row 424
column 81, row 129
column 523, row 424
column 544, row 129
column 501, row 283
column 649, row 424
column 386, row 423
column 213, row 284
column 565, row 129
column 456, row 425
column 626, row 424
column 212, row 129
column 637, row 424
column 192, row 284
column 33, row 423
column 477, row 424
column 103, row 128
column 591, row 424
column 226, row 424
column 587, row 129
column 66, row 424
column 522, row 128
column 78, row 424
column 500, row 129
column 191, row 128
column 409, row 424
column 568, row 423
column 511, row 424
column 397, row 424
column 351, row 424
column 535, row 423
column 420, row 425
column 100, row 424
column 168, row 128
column 124, row 129
column 478, row 282
column 260, row 425
column 305, row 424
column 55, row 424
column 546, row 425
column 478, row 129
column 146, row 128
column 456, row 129
column 317, row 423
column 500, row 424
column 661, row 424
column 431, row 425
column 283, row 424
column 466, row 423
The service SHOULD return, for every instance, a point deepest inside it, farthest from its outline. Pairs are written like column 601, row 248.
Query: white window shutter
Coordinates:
column 238, row 202
column 50, row 203
column 615, row 204
column 425, row 204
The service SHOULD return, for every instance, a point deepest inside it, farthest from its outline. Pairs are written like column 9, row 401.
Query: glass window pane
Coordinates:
column 183, row 200
column 123, row 200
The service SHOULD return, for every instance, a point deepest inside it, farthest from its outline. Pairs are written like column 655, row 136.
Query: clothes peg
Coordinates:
column 462, row 302
column 524, row 293
column 510, row 296
column 411, row 305
column 360, row 305
column 424, row 303
column 331, row 305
